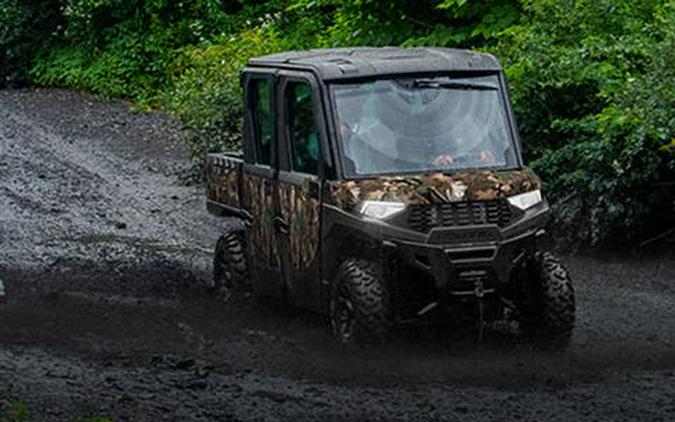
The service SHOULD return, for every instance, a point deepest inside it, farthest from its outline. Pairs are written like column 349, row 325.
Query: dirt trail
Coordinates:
column 105, row 256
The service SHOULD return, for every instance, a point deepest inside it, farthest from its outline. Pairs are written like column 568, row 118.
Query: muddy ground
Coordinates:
column 105, row 250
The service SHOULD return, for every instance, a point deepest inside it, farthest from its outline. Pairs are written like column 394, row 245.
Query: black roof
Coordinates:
column 338, row 63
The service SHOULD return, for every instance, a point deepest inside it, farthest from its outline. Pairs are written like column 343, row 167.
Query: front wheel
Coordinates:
column 360, row 304
column 550, row 313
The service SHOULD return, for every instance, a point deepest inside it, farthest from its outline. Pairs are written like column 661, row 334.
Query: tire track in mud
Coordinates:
column 104, row 251
column 90, row 197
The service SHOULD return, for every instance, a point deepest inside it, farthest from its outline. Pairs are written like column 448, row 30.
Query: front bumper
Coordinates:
column 462, row 270
column 471, row 260
column 439, row 265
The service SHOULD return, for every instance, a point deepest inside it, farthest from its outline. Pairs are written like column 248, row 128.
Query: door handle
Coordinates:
column 281, row 225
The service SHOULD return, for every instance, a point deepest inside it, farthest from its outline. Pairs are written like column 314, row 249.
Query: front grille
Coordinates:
column 423, row 218
column 471, row 254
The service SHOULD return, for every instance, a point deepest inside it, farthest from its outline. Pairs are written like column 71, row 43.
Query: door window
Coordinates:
column 262, row 120
column 302, row 129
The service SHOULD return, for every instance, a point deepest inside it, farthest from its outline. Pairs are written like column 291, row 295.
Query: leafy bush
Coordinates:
column 23, row 28
column 594, row 92
column 205, row 91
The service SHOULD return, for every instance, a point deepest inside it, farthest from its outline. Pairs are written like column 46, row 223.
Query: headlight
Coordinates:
column 381, row 209
column 526, row 200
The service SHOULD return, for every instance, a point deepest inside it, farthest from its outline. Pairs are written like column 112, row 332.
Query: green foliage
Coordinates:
column 468, row 24
column 23, row 25
column 205, row 91
column 595, row 95
column 592, row 81
column 18, row 411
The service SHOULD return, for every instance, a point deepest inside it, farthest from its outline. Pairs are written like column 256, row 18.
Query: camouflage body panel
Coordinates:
column 301, row 211
column 259, row 203
column 434, row 188
column 222, row 182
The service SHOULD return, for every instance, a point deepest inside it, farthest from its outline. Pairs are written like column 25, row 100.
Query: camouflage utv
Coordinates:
column 386, row 186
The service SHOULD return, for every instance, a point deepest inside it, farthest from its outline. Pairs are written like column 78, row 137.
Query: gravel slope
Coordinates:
column 105, row 256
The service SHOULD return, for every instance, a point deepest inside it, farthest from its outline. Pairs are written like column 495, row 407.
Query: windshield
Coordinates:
column 423, row 124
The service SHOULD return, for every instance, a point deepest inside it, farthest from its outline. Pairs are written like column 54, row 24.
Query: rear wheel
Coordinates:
column 230, row 270
column 549, row 315
column 360, row 304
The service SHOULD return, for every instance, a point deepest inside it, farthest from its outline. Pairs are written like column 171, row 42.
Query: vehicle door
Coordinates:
column 259, row 193
column 302, row 139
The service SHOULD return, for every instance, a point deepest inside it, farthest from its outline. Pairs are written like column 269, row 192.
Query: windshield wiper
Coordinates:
column 430, row 83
